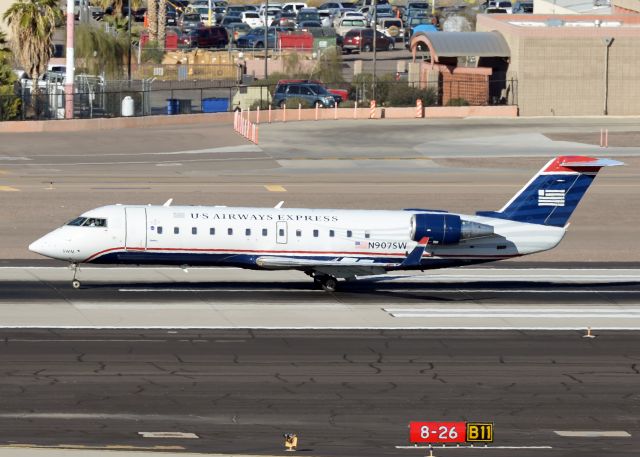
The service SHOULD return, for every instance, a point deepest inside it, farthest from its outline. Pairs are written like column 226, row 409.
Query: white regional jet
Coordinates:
column 327, row 244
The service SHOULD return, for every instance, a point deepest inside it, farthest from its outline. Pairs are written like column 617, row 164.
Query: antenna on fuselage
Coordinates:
column 279, row 205
column 168, row 202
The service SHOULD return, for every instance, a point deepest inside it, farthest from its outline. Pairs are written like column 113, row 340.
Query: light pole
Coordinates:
column 607, row 43
column 69, row 73
column 375, row 36
column 129, row 38
column 266, row 39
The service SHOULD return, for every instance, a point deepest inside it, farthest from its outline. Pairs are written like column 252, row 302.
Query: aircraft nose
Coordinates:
column 43, row 247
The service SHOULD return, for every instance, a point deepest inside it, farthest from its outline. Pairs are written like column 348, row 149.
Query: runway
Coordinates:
column 214, row 298
column 344, row 393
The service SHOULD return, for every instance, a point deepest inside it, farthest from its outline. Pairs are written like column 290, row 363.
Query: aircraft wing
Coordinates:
column 343, row 267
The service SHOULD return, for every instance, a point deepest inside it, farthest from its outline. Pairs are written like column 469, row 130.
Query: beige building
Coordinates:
column 626, row 6
column 572, row 65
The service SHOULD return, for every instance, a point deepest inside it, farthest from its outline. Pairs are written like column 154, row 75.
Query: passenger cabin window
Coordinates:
column 212, row 231
column 176, row 230
column 367, row 235
column 281, row 232
column 349, row 233
column 264, row 232
column 332, row 233
column 159, row 230
column 298, row 232
column 315, row 234
column 247, row 232
column 194, row 230
column 229, row 231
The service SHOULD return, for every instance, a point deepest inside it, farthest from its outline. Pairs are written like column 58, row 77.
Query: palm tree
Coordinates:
column 162, row 22
column 152, row 16
column 33, row 23
column 99, row 52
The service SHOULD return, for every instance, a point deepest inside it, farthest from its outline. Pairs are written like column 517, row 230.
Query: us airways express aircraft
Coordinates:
column 327, row 244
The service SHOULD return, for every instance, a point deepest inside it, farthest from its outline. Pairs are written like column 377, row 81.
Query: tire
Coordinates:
column 330, row 284
column 317, row 104
column 282, row 104
column 366, row 48
column 391, row 46
column 76, row 284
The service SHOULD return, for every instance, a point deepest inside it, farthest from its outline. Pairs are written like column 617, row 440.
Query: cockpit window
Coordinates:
column 88, row 222
column 95, row 222
column 78, row 221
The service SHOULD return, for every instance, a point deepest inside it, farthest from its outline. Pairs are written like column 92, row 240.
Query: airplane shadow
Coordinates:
column 376, row 289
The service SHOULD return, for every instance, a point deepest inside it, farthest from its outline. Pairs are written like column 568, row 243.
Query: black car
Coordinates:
column 211, row 37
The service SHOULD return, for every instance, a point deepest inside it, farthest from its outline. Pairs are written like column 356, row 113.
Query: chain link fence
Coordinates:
column 147, row 97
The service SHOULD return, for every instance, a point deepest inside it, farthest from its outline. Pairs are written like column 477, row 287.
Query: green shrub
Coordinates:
column 404, row 95
column 457, row 102
column 262, row 104
column 152, row 53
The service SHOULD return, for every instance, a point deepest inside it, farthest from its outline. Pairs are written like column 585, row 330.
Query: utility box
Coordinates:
column 127, row 109
column 215, row 105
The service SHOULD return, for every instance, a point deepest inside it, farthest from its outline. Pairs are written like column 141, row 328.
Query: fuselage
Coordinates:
column 228, row 236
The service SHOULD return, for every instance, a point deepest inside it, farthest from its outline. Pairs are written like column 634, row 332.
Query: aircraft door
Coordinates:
column 281, row 232
column 136, row 228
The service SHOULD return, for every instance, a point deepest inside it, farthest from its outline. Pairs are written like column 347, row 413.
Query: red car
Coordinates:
column 362, row 40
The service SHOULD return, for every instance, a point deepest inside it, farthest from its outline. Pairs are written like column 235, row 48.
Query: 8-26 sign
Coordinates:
column 437, row 432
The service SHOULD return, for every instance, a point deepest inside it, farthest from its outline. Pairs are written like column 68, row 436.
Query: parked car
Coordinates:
column 171, row 17
column 414, row 7
column 525, row 7
column 228, row 20
column 347, row 24
column 293, row 7
column 255, row 38
column 392, row 27
column 251, row 18
column 305, row 25
column 335, row 8
column 236, row 30
column 189, row 21
column 362, row 40
column 308, row 14
column 285, row 19
column 212, row 37
column 313, row 93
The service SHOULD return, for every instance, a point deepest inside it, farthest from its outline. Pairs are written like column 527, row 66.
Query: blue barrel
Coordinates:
column 215, row 105
column 173, row 106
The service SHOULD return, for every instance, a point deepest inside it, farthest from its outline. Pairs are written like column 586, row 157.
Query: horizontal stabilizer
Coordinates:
column 414, row 258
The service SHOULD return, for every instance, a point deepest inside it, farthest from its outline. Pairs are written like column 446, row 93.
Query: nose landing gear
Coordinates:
column 74, row 282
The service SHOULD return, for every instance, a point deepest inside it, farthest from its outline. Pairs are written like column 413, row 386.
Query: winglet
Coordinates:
column 168, row 202
column 414, row 258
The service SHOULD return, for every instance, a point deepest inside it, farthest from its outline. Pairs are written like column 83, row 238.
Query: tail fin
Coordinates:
column 550, row 197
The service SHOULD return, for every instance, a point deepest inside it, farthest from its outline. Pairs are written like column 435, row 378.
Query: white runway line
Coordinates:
column 473, row 447
column 497, row 312
column 593, row 433
column 174, row 435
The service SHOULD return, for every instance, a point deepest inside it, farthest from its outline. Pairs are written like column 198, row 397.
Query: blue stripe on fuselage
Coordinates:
column 249, row 261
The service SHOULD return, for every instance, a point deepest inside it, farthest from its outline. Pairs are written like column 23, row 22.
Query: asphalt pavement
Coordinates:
column 474, row 298
column 342, row 393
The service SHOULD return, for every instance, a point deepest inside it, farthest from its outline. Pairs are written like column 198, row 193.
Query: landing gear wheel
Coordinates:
column 328, row 283
column 75, row 284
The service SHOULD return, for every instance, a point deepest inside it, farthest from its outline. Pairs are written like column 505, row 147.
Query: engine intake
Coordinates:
column 446, row 228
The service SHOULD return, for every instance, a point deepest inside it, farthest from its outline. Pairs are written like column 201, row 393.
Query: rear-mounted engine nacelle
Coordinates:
column 446, row 228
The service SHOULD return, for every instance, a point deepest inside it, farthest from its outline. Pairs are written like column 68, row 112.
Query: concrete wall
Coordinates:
column 561, row 70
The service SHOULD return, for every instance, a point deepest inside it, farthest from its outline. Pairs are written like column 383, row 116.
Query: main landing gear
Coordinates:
column 74, row 282
column 327, row 282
